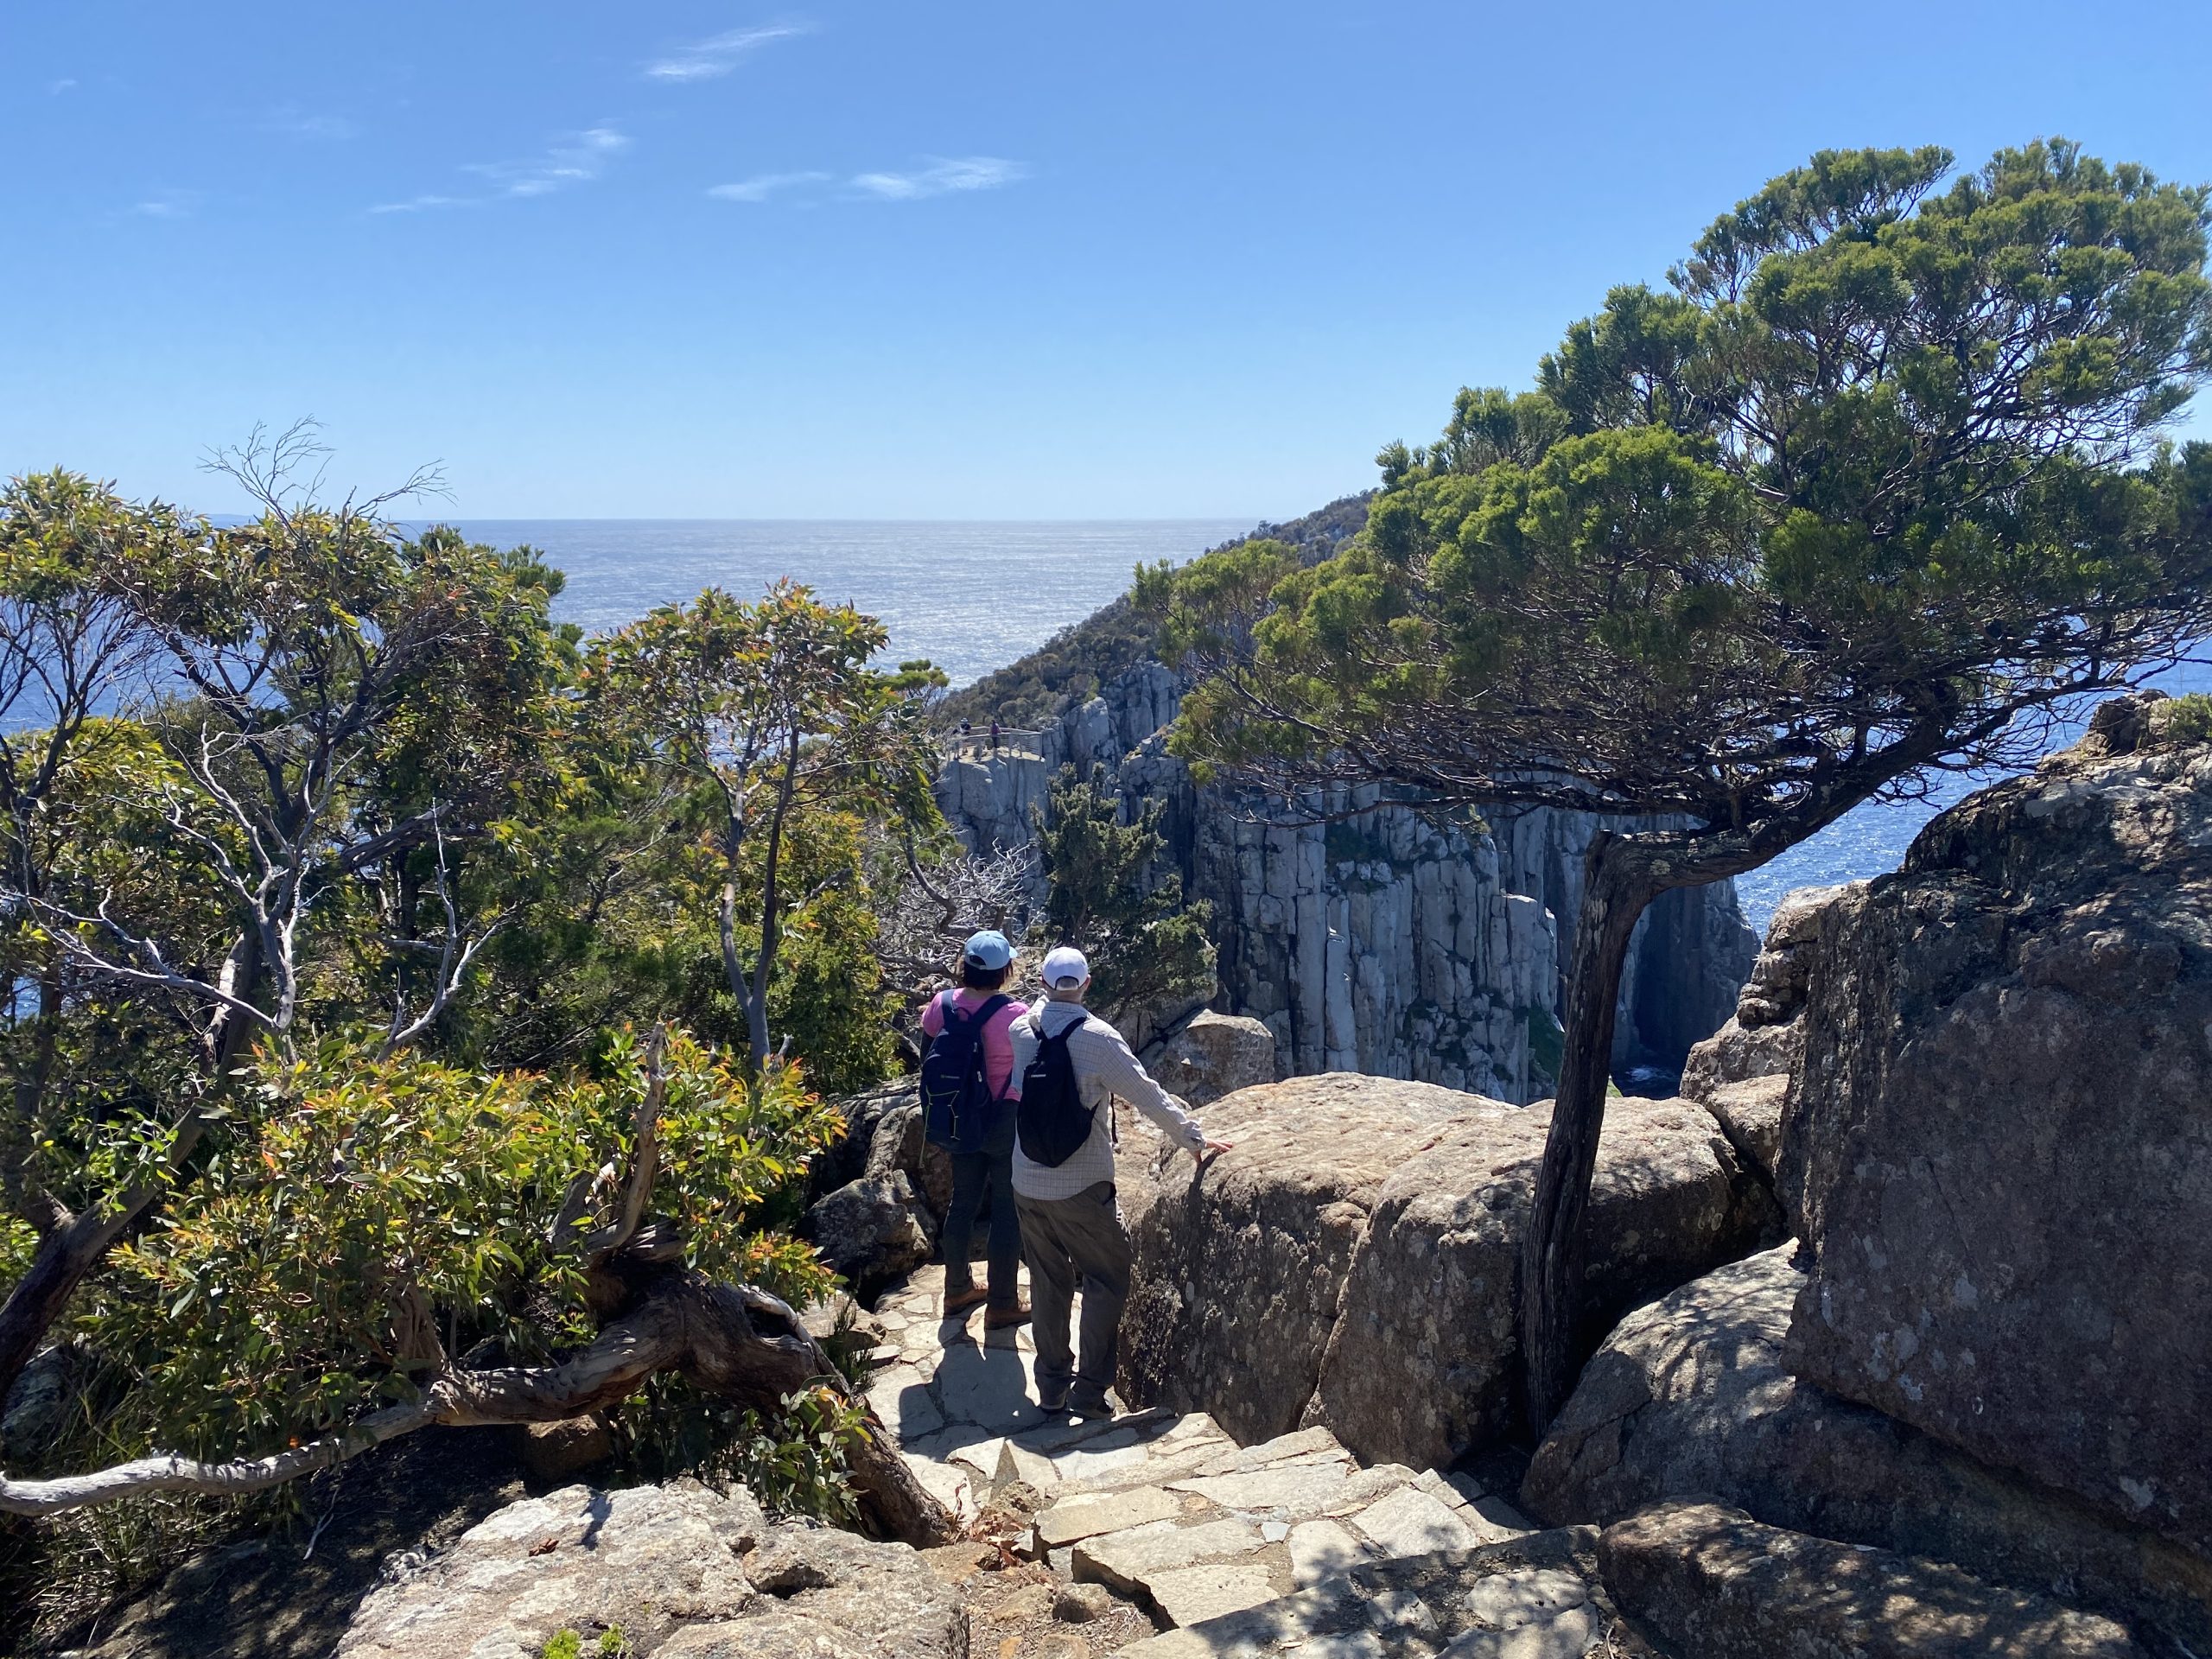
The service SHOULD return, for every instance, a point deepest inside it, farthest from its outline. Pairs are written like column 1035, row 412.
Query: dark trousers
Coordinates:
column 1072, row 1243
column 981, row 1178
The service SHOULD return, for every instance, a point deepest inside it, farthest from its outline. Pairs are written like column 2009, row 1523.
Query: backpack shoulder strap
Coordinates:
column 991, row 1006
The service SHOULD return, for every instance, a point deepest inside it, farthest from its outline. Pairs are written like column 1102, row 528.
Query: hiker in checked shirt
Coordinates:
column 1072, row 1236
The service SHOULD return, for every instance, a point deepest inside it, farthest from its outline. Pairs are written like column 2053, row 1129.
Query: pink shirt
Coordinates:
column 998, row 1036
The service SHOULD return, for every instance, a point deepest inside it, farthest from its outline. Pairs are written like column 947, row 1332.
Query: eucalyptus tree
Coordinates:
column 208, row 725
column 1873, row 487
column 768, row 717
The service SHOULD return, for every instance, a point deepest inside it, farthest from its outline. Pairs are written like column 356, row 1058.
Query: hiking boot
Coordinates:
column 999, row 1318
column 1051, row 1401
column 1088, row 1407
column 957, row 1302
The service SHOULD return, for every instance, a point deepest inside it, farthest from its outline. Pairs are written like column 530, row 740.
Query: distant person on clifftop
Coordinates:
column 995, row 735
column 968, row 1080
column 1069, row 1067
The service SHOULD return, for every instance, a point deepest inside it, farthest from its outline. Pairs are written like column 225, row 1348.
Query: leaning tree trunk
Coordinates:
column 732, row 1341
column 1620, row 882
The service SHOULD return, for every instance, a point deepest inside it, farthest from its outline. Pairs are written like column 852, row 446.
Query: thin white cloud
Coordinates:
column 295, row 122
column 577, row 160
column 168, row 204
column 710, row 58
column 66, row 84
column 942, row 178
column 421, row 204
column 762, row 186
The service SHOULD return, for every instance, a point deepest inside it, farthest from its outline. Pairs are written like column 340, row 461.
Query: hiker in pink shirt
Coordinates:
column 977, row 1128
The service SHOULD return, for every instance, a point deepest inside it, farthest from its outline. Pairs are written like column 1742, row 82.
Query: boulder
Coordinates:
column 1215, row 1054
column 551, row 1451
column 1766, row 1034
column 1353, row 1262
column 1690, row 1396
column 1712, row 1582
column 1240, row 1266
column 870, row 1231
column 2000, row 1145
column 679, row 1570
column 1750, row 1114
column 1422, row 1365
column 900, row 1147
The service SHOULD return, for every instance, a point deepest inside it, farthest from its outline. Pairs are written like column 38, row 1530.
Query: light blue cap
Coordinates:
column 988, row 949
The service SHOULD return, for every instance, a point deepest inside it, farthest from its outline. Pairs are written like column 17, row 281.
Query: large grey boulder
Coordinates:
column 1688, row 1395
column 1215, row 1054
column 2000, row 1145
column 870, row 1231
column 679, row 1570
column 1730, row 1071
column 1354, row 1262
column 1240, row 1267
column 1422, row 1366
column 1712, row 1582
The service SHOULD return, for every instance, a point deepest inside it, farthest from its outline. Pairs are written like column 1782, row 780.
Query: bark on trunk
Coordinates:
column 69, row 1251
column 1619, row 886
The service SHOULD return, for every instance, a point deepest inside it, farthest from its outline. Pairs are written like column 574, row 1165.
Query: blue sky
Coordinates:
column 908, row 260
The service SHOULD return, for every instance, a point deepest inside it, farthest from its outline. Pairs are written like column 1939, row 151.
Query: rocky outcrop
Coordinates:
column 1765, row 1036
column 871, row 1230
column 676, row 1570
column 1998, row 1142
column 1366, row 937
column 1712, row 1582
column 1690, row 1396
column 1240, row 1268
column 1212, row 1055
column 1353, row 1262
column 1423, row 1363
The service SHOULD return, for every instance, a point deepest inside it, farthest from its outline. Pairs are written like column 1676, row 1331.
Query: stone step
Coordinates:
column 1538, row 1596
column 1236, row 1527
column 1164, row 1508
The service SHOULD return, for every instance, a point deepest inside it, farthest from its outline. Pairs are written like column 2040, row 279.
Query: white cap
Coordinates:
column 1064, row 965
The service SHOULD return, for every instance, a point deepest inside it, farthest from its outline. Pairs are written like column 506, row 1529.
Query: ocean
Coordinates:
column 974, row 596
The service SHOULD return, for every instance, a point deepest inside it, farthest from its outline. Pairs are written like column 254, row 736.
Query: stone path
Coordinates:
column 1286, row 1546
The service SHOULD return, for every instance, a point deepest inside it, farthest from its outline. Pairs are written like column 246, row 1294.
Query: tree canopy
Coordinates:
column 419, row 1013
column 1873, row 487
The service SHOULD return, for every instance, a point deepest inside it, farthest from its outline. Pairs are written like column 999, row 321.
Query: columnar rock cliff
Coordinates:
column 1379, row 942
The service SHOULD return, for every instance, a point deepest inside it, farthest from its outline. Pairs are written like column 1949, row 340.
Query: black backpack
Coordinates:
column 958, row 1109
column 1051, row 1121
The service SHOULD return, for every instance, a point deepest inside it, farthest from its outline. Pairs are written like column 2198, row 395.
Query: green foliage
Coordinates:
column 2182, row 720
column 334, row 879
column 778, row 746
column 1108, row 898
column 363, row 1221
column 569, row 1644
column 1871, row 481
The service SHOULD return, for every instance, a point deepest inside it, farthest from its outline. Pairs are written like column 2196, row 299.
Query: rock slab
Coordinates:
column 1690, row 1396
column 1999, row 1144
column 1712, row 1582
column 680, row 1571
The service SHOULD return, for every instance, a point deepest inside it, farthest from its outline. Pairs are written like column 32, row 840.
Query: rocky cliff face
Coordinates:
column 1379, row 942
